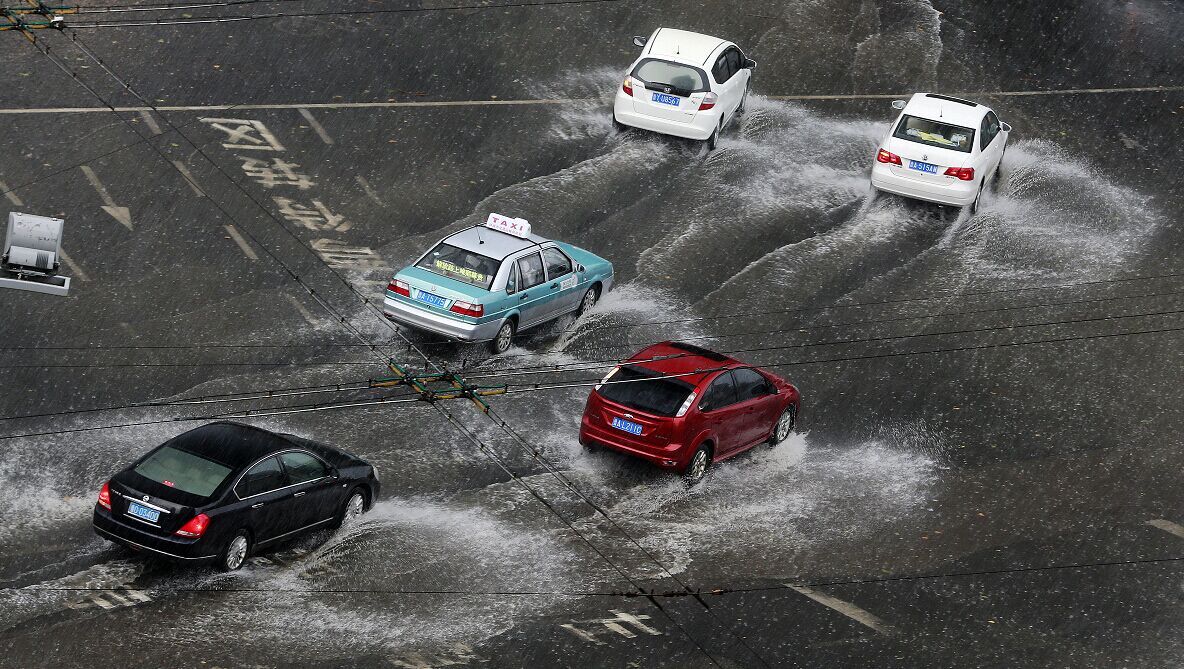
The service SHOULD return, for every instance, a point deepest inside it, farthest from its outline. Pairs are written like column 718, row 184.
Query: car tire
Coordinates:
column 588, row 301
column 973, row 207
column 712, row 141
column 617, row 125
column 504, row 337
column 235, row 552
column 784, row 426
column 697, row 468
column 743, row 100
column 351, row 509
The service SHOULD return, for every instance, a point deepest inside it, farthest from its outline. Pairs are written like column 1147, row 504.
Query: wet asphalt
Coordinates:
column 987, row 470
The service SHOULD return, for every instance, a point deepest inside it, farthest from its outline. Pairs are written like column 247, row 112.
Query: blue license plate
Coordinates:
column 141, row 511
column 428, row 298
column 627, row 425
column 922, row 167
column 671, row 100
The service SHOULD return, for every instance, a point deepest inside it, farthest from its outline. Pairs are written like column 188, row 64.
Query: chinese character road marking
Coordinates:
column 277, row 172
column 245, row 134
column 615, row 625
column 316, row 217
column 338, row 254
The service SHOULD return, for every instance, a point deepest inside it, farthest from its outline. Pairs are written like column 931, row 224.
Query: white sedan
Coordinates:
column 940, row 149
column 684, row 84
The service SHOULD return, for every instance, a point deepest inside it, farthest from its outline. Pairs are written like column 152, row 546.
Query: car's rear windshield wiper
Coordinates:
column 668, row 88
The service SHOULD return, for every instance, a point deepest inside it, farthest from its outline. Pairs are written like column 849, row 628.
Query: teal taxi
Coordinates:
column 491, row 281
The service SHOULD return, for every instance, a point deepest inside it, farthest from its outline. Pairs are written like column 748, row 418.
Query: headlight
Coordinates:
column 374, row 471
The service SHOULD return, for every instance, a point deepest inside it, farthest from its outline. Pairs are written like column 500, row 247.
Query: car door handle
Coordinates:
column 297, row 494
column 256, row 506
column 524, row 296
column 554, row 286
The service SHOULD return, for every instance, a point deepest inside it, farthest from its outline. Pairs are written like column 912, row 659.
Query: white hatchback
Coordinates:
column 940, row 149
column 684, row 84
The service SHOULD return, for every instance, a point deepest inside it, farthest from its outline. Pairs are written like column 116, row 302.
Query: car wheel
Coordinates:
column 784, row 426
column 235, row 552
column 713, row 140
column 352, row 509
column 588, row 302
column 617, row 125
column 700, row 463
column 743, row 100
column 505, row 336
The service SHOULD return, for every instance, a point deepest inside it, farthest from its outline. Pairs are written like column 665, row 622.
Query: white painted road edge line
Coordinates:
column 188, row 177
column 557, row 101
column 242, row 243
column 367, row 189
column 11, row 195
column 316, row 126
column 850, row 610
column 1168, row 526
column 150, row 121
column 302, row 311
column 78, row 272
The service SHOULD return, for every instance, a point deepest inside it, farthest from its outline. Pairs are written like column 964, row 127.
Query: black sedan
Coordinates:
column 220, row 491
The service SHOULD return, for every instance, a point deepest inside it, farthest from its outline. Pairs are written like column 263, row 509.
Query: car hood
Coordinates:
column 586, row 258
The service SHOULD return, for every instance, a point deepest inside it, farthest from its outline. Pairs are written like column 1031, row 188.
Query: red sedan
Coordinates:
column 683, row 407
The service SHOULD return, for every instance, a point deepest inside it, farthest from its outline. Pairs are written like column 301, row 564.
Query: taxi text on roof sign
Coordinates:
column 518, row 227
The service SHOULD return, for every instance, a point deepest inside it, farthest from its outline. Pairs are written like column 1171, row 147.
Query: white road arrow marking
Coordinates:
column 121, row 214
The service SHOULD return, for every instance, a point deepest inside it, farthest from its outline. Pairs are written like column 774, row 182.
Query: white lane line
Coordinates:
column 151, row 122
column 850, row 610
column 11, row 195
column 74, row 267
column 302, row 311
column 316, row 126
column 365, row 188
column 121, row 214
column 188, row 177
column 1168, row 526
column 242, row 243
column 98, row 599
column 558, row 101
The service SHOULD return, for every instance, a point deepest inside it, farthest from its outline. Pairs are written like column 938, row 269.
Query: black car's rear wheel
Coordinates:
column 235, row 552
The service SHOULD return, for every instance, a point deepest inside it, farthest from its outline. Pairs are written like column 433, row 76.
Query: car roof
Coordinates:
column 681, row 358
column 492, row 243
column 947, row 109
column 232, row 444
column 683, row 45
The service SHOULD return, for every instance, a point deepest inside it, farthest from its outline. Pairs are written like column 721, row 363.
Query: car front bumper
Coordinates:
column 111, row 528
column 701, row 127
column 420, row 319
column 672, row 456
column 957, row 193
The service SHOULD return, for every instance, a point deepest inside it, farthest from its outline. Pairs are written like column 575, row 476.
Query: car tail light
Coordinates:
column 686, row 406
column 627, row 86
column 195, row 527
column 466, row 309
column 963, row 173
column 883, row 156
column 105, row 496
column 708, row 102
column 399, row 288
column 606, row 378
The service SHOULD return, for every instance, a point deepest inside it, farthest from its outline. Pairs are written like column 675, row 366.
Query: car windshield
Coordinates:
column 457, row 263
column 682, row 77
column 183, row 470
column 933, row 133
column 658, row 396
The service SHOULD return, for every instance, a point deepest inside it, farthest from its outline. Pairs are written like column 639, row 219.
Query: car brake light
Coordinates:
column 708, row 102
column 606, row 378
column 195, row 527
column 105, row 496
column 466, row 309
column 627, row 86
column 963, row 173
column 887, row 157
column 686, row 406
column 399, row 288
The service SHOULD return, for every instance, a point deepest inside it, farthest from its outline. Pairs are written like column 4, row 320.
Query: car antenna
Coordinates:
column 479, row 240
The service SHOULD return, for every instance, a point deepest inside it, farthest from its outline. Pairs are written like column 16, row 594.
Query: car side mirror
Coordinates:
column 898, row 104
column 335, row 473
column 581, row 268
column 640, row 40
column 510, row 291
column 749, row 64
column 1006, row 126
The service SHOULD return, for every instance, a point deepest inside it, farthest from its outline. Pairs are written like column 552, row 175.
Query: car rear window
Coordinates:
column 183, row 470
column 933, row 133
column 659, row 396
column 457, row 263
column 682, row 77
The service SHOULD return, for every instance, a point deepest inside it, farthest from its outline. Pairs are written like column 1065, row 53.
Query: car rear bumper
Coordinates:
column 111, row 528
column 955, row 194
column 421, row 319
column 671, row 456
column 701, row 127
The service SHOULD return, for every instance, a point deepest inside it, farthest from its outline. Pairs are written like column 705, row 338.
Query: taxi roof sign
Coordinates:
column 519, row 227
